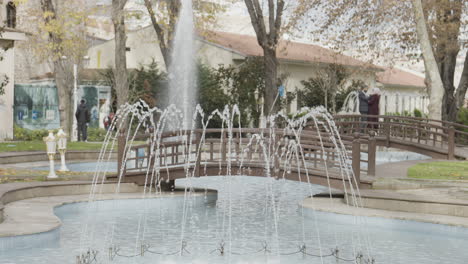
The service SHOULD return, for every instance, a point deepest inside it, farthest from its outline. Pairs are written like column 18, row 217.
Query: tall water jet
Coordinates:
column 351, row 104
column 182, row 71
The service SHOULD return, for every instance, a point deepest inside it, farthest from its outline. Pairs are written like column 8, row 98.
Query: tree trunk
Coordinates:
column 325, row 91
column 271, row 75
column 436, row 90
column 64, row 82
column 446, row 47
column 62, row 70
column 459, row 98
column 120, row 73
column 333, row 102
column 447, row 71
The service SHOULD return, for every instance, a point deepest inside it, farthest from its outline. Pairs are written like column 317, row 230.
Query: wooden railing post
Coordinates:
column 198, row 154
column 149, row 141
column 419, row 132
column 223, row 146
column 451, row 143
column 276, row 165
column 121, row 145
column 371, row 154
column 356, row 158
column 238, row 139
column 387, row 131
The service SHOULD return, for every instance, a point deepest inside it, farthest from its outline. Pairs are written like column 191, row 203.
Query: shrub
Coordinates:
column 146, row 82
column 462, row 117
column 20, row 133
column 417, row 113
column 242, row 85
column 96, row 134
column 211, row 95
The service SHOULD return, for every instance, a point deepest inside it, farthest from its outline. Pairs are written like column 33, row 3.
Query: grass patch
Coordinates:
column 40, row 146
column 441, row 170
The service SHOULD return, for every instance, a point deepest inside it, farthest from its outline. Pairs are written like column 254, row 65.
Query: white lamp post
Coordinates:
column 75, row 102
column 62, row 148
column 51, row 144
column 86, row 59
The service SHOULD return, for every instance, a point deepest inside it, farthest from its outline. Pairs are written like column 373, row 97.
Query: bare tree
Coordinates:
column 164, row 15
column 391, row 30
column 269, row 34
column 120, row 73
column 433, row 78
column 331, row 79
column 268, row 40
column 65, row 46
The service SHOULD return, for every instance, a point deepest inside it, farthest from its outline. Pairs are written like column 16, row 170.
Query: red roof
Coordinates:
column 398, row 77
column 293, row 51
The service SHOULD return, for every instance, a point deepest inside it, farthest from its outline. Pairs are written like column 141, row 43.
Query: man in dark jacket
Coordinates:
column 363, row 105
column 82, row 117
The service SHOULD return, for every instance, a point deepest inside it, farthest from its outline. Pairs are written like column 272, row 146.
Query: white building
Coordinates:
column 300, row 61
column 8, row 36
column 403, row 91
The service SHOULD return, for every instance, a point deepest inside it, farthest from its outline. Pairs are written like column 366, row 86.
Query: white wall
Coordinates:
column 6, row 100
column 403, row 99
column 213, row 55
column 143, row 46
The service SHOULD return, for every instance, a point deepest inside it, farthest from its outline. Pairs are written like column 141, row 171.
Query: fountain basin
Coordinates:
column 393, row 241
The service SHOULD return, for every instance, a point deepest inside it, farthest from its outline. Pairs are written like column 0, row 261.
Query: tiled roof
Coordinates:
column 393, row 76
column 287, row 50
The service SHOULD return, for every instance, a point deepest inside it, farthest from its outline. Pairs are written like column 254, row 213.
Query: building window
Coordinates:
column 11, row 15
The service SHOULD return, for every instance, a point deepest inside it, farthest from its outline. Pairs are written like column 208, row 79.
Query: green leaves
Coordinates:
column 245, row 85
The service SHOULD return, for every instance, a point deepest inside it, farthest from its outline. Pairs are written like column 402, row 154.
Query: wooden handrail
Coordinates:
column 439, row 137
column 421, row 119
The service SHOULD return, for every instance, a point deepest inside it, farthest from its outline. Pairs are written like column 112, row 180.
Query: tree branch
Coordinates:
column 255, row 12
column 174, row 10
column 163, row 45
column 271, row 23
column 278, row 19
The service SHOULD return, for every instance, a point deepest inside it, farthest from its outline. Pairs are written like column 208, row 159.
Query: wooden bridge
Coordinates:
column 434, row 138
column 310, row 156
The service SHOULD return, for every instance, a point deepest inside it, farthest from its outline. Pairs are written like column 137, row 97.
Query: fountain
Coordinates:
column 351, row 104
column 175, row 149
column 182, row 71
column 250, row 219
column 227, row 154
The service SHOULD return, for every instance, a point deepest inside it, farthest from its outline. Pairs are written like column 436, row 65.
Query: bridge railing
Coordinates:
column 284, row 152
column 420, row 132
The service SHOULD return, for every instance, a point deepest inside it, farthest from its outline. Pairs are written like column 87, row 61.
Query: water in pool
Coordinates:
column 243, row 224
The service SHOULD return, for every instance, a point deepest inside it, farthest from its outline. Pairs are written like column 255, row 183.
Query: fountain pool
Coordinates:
column 248, row 237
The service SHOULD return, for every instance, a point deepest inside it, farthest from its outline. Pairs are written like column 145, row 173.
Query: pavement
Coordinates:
column 394, row 195
column 27, row 171
column 337, row 206
column 15, row 153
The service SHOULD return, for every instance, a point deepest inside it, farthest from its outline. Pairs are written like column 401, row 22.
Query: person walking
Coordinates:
column 374, row 101
column 82, row 117
column 108, row 121
column 363, row 106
